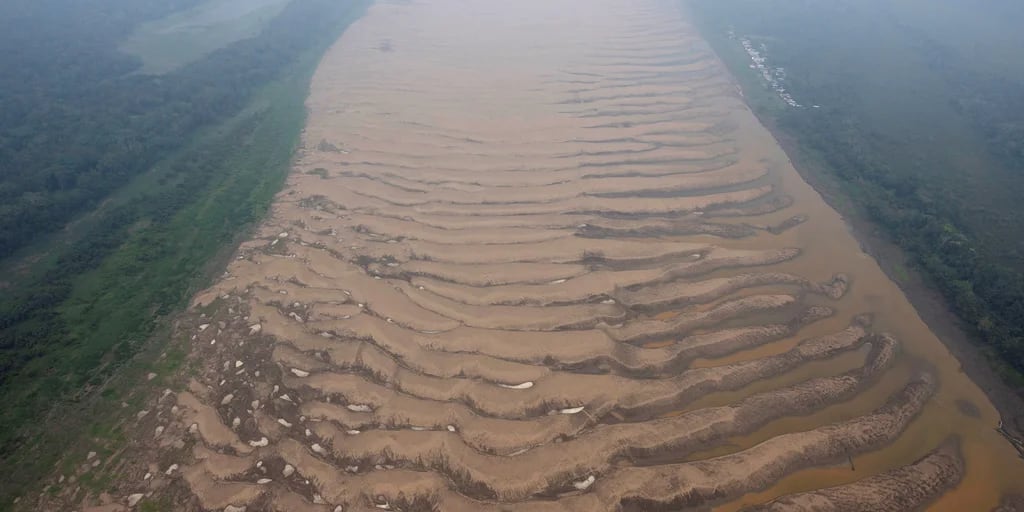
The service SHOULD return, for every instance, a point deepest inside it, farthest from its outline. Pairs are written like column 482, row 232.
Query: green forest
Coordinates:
column 118, row 189
column 917, row 109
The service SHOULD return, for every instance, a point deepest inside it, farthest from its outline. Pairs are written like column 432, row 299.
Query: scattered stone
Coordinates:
column 227, row 399
column 203, row 327
column 236, row 422
column 259, row 444
column 300, row 373
column 264, row 481
column 134, row 499
column 358, row 408
column 585, row 484
column 90, row 456
column 159, row 430
column 151, row 376
column 319, row 449
column 288, row 470
column 171, row 469
column 284, row 423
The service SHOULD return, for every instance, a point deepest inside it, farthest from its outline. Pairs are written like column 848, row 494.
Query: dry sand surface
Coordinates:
column 538, row 255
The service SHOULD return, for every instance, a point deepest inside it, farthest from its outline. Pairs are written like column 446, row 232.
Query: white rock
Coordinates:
column 524, row 385
column 358, row 408
column 259, row 444
column 193, row 428
column 236, row 422
column 352, row 432
column 284, row 423
column 283, row 234
column 255, row 404
column 264, row 481
column 227, row 399
column 232, row 508
column 90, row 456
column 159, row 430
column 300, row 373
column 171, row 469
column 451, row 428
column 288, row 470
column 585, row 484
column 147, row 476
column 319, row 449
column 571, row 410
column 203, row 327
column 255, row 328
column 134, row 499
column 150, row 376
column 239, row 364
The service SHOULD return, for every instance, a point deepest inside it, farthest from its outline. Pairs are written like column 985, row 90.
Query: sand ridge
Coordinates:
column 536, row 256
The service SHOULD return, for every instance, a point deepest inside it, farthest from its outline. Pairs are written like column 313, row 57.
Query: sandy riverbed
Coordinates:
column 539, row 255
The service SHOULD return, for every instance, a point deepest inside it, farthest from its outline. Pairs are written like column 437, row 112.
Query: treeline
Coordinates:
column 75, row 123
column 987, row 296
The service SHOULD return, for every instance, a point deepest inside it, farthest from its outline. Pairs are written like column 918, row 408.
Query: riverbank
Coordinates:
column 930, row 304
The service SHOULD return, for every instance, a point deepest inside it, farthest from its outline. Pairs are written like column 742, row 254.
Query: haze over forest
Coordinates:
column 534, row 255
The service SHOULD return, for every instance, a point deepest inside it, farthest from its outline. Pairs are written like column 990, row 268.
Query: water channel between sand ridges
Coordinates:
column 528, row 246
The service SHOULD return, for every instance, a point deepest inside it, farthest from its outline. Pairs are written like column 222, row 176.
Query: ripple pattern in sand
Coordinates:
column 525, row 262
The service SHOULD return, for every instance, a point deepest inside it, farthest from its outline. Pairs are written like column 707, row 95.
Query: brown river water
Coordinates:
column 539, row 255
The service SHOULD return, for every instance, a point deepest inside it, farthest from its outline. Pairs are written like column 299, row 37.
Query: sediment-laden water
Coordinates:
column 539, row 255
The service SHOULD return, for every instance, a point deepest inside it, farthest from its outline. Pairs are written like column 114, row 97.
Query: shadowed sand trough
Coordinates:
column 538, row 255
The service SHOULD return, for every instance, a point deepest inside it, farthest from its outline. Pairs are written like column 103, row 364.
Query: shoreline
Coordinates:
column 929, row 302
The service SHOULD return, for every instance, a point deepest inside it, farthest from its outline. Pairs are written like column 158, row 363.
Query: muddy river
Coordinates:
column 539, row 255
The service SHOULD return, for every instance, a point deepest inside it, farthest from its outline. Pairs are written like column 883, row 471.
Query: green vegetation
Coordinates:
column 160, row 177
column 920, row 121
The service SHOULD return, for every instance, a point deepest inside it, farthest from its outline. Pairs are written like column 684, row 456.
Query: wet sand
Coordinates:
column 540, row 256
